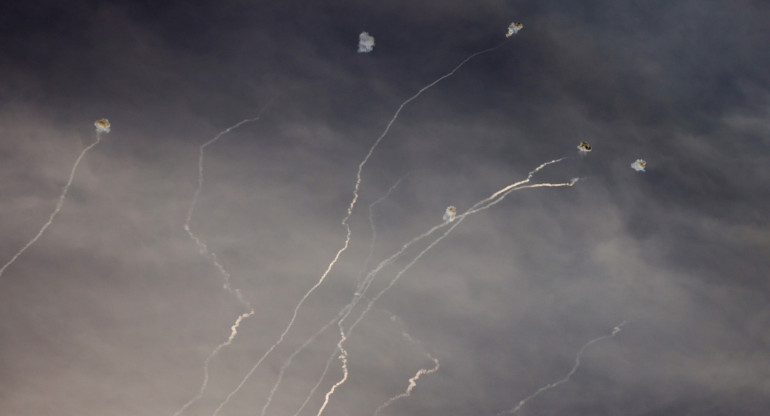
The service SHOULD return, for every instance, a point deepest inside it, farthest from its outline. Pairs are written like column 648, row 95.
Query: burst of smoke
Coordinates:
column 102, row 126
column 365, row 43
column 584, row 147
column 450, row 213
column 513, row 29
column 639, row 165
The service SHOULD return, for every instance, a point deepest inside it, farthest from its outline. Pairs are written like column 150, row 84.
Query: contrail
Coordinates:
column 479, row 206
column 373, row 240
column 342, row 311
column 345, row 222
column 289, row 360
column 204, row 250
column 412, row 381
column 360, row 293
column 318, row 383
column 412, row 385
column 99, row 130
column 191, row 209
column 214, row 352
column 343, row 357
column 566, row 378
column 484, row 204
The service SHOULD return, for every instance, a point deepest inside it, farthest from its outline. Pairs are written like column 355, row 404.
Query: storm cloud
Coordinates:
column 115, row 309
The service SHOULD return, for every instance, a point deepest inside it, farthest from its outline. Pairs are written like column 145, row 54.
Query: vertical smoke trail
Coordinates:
column 285, row 331
column 317, row 384
column 343, row 357
column 102, row 126
column 212, row 354
column 204, row 250
column 412, row 381
column 412, row 385
column 342, row 311
column 371, row 220
column 345, row 223
column 346, row 310
column 566, row 378
column 289, row 360
column 395, row 116
column 484, row 204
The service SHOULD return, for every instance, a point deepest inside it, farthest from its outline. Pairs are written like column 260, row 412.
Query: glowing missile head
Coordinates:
column 102, row 126
column 513, row 29
column 450, row 213
column 639, row 165
column 365, row 43
column 584, row 147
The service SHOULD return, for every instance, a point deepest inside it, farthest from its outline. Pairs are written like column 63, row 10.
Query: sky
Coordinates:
column 261, row 230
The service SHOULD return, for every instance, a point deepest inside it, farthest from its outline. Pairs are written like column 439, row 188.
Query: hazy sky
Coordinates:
column 115, row 311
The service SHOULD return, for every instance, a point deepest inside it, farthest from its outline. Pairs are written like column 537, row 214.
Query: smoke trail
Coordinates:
column 343, row 357
column 479, row 206
column 345, row 223
column 317, row 384
column 214, row 352
column 566, row 378
column 99, row 130
column 204, row 250
column 342, row 311
column 371, row 221
column 412, row 381
column 484, row 204
column 412, row 385
column 289, row 360
column 395, row 116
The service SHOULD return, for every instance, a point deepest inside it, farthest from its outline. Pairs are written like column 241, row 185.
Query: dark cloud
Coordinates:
column 114, row 310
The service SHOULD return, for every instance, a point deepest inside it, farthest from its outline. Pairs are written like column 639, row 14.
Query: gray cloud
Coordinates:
column 114, row 310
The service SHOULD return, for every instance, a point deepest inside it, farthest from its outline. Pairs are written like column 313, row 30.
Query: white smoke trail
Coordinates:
column 99, row 131
column 345, row 224
column 373, row 239
column 204, row 250
column 342, row 312
column 566, row 378
column 412, row 385
column 412, row 381
column 317, row 384
column 343, row 357
column 484, row 204
column 289, row 360
column 212, row 354
column 202, row 247
column 479, row 206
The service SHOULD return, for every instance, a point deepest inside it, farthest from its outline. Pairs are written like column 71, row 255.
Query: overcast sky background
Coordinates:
column 114, row 310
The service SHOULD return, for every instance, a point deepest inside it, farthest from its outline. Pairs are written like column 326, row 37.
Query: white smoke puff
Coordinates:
column 102, row 126
column 639, row 165
column 450, row 213
column 513, row 29
column 365, row 42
